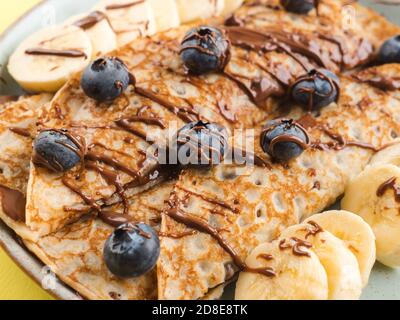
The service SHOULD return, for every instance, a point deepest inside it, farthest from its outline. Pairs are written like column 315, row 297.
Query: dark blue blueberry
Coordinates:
column 390, row 51
column 205, row 49
column 201, row 144
column 298, row 6
column 316, row 90
column 57, row 150
column 284, row 140
column 132, row 250
column 105, row 79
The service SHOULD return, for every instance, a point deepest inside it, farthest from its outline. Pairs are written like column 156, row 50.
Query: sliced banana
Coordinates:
column 48, row 72
column 166, row 14
column 297, row 277
column 130, row 19
column 192, row 10
column 341, row 266
column 99, row 30
column 230, row 6
column 389, row 155
column 380, row 212
column 355, row 233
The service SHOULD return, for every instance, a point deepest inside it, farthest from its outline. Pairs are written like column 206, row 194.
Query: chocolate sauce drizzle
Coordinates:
column 382, row 82
column 387, row 185
column 200, row 225
column 13, row 203
column 24, row 132
column 72, row 53
column 314, row 229
column 339, row 142
column 297, row 245
column 90, row 20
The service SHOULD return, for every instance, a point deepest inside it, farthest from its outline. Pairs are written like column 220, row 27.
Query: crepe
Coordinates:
column 75, row 253
column 242, row 207
column 17, row 127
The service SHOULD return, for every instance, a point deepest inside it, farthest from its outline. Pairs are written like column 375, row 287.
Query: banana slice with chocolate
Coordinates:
column 98, row 28
column 45, row 60
column 130, row 19
column 283, row 270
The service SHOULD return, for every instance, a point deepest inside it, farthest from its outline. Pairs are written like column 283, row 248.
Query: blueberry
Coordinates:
column 105, row 79
column 284, row 140
column 316, row 90
column 132, row 250
column 201, row 144
column 298, row 6
column 57, row 150
column 205, row 49
column 390, row 51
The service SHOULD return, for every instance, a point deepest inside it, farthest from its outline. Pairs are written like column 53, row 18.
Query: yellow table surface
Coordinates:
column 14, row 283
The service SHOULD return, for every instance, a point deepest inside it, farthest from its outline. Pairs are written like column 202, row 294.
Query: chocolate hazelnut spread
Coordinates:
column 385, row 83
column 24, row 132
column 71, row 53
column 387, row 185
column 202, row 226
column 314, row 230
column 13, row 203
column 90, row 20
column 297, row 245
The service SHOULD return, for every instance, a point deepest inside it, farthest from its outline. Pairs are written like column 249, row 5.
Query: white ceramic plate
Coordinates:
column 384, row 283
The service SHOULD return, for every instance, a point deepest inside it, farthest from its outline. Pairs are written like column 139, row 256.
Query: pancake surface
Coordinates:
column 66, row 214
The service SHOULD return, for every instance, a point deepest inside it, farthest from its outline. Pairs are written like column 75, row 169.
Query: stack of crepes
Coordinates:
column 64, row 219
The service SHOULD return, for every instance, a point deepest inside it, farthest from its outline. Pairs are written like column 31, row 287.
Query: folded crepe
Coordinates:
column 75, row 253
column 17, row 129
column 235, row 208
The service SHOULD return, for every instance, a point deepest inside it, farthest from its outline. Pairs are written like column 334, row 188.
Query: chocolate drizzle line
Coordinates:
column 261, row 42
column 72, row 53
column 382, row 82
column 202, row 226
column 339, row 142
column 297, row 245
column 24, row 132
column 314, row 229
column 387, row 185
column 13, row 203
column 91, row 20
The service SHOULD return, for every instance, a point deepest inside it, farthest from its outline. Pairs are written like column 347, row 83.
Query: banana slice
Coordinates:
column 166, row 14
column 192, row 10
column 58, row 51
column 98, row 28
column 380, row 212
column 129, row 19
column 355, row 233
column 297, row 277
column 231, row 6
column 389, row 155
column 341, row 266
